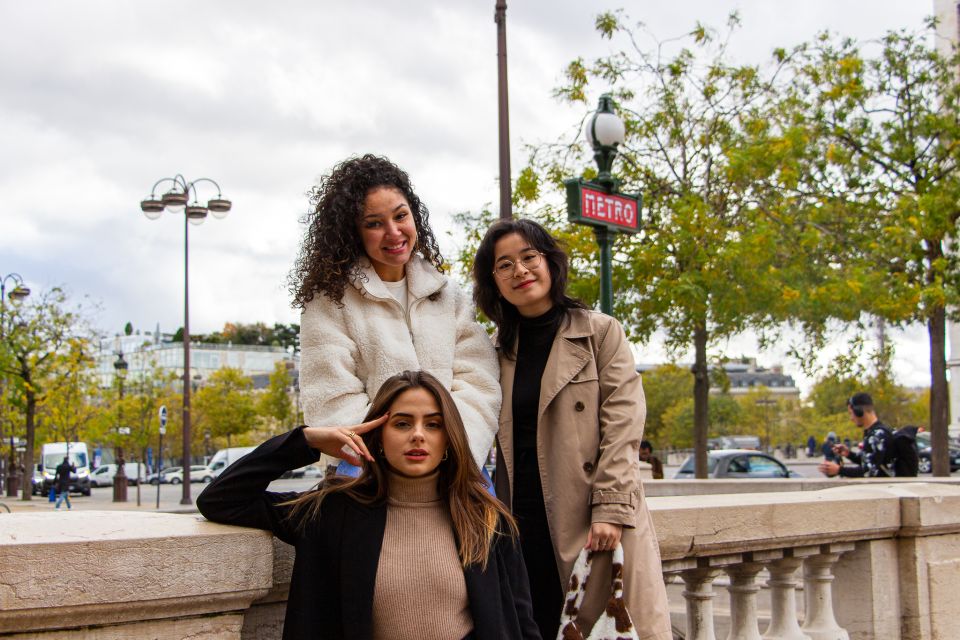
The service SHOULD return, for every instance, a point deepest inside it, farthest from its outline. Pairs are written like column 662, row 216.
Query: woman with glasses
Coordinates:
column 375, row 301
column 570, row 431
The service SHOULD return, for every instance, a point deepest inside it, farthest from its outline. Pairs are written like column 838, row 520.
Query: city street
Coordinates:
column 101, row 498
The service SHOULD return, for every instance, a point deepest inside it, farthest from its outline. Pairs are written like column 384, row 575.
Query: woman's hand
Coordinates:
column 603, row 536
column 343, row 442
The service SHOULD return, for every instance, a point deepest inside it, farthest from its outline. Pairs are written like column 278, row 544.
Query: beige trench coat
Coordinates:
column 589, row 429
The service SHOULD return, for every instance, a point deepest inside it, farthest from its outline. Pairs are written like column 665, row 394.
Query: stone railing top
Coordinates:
column 96, row 567
column 718, row 524
column 691, row 487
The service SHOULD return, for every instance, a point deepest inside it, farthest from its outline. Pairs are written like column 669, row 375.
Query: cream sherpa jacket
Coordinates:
column 347, row 353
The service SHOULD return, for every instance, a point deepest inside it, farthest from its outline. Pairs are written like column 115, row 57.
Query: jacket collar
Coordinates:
column 422, row 279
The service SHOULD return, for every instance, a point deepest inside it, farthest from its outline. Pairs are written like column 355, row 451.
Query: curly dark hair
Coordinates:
column 332, row 245
column 487, row 296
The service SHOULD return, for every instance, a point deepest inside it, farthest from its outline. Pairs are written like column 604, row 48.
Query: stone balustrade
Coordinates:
column 876, row 560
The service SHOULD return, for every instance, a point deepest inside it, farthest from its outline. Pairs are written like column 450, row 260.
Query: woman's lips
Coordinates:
column 416, row 454
column 524, row 285
column 396, row 250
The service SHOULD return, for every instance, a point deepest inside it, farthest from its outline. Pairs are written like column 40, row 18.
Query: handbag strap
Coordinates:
column 576, row 587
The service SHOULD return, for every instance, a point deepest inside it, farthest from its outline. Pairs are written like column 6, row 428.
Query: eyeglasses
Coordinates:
column 506, row 268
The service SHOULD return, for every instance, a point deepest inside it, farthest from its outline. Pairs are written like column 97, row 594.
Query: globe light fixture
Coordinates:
column 605, row 132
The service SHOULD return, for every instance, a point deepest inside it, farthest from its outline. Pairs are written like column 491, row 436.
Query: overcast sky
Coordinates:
column 101, row 99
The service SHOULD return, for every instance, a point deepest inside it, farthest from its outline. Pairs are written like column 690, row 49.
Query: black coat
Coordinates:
column 334, row 572
column 61, row 478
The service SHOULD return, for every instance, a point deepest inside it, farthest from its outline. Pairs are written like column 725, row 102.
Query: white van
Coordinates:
column 226, row 457
column 53, row 453
column 102, row 476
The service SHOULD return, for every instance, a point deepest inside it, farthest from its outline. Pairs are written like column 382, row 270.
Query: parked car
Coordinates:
column 925, row 451
column 312, row 471
column 738, row 463
column 165, row 475
column 103, row 475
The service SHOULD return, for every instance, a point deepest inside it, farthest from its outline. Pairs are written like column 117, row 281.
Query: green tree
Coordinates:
column 664, row 387
column 43, row 338
column 725, row 419
column 274, row 403
column 707, row 263
column 889, row 161
column 225, row 405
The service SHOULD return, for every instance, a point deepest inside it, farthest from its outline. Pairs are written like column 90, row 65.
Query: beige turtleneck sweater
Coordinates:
column 420, row 592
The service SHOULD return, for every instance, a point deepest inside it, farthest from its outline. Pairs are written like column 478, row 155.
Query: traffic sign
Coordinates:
column 163, row 419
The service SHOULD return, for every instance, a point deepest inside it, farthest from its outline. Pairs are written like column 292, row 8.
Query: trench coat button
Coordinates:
column 588, row 467
column 579, row 406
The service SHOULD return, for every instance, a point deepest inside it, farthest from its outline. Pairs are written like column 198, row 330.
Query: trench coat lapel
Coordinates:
column 567, row 358
column 508, row 368
column 359, row 558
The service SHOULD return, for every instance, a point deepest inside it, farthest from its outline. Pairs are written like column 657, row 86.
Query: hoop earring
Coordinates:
column 446, row 454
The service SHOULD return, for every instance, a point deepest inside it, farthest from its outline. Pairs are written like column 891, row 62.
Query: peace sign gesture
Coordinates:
column 343, row 442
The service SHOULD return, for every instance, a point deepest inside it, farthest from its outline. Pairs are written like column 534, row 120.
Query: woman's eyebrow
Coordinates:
column 506, row 257
column 377, row 214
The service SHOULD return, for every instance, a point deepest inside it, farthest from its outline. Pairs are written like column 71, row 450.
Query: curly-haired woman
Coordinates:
column 375, row 301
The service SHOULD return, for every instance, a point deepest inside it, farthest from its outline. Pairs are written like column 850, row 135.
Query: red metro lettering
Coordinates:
column 611, row 209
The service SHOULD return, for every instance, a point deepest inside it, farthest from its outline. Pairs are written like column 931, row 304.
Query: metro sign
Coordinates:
column 589, row 203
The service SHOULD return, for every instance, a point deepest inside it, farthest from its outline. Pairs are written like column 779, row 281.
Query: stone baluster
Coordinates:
column 820, row 622
column 743, row 594
column 783, row 595
column 699, row 594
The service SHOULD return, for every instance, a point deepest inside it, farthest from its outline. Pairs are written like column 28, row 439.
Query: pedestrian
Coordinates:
column 61, row 480
column 875, row 458
column 570, row 430
column 369, row 280
column 646, row 455
column 412, row 548
column 811, row 446
column 827, row 448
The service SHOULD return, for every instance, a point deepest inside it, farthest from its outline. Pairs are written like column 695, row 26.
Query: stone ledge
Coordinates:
column 102, row 567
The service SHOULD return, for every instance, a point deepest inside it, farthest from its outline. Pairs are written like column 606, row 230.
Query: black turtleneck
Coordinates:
column 535, row 339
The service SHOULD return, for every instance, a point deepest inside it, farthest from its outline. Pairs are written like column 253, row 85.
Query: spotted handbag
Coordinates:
column 614, row 623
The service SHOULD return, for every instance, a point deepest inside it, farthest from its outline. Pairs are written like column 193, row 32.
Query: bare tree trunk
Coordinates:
column 939, row 438
column 26, row 480
column 701, row 399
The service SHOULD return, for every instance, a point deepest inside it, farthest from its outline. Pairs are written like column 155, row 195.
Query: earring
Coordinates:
column 446, row 454
column 381, row 451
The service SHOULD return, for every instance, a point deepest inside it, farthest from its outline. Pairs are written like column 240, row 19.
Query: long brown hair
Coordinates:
column 474, row 511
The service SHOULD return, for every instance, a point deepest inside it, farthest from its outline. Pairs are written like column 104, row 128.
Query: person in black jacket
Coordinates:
column 61, row 479
column 876, row 457
column 414, row 547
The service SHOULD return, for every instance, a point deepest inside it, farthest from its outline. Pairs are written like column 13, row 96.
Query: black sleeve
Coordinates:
column 509, row 549
column 849, row 471
column 239, row 495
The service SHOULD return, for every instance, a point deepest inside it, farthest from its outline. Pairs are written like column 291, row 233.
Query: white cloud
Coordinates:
column 103, row 98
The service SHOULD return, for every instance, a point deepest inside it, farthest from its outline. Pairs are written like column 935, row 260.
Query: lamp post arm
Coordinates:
column 213, row 182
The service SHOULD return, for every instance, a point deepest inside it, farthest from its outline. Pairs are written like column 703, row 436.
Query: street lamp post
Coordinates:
column 19, row 292
column 177, row 200
column 605, row 132
column 598, row 203
column 120, row 478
